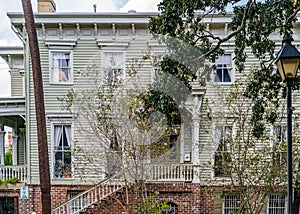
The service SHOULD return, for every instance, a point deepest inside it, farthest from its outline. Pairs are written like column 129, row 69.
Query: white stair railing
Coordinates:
column 90, row 197
column 154, row 172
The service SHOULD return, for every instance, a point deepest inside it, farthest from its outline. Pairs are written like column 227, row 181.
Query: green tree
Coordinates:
column 119, row 118
column 243, row 163
column 8, row 158
column 252, row 22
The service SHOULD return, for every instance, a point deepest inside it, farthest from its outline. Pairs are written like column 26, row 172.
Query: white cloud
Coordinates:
column 85, row 5
column 141, row 6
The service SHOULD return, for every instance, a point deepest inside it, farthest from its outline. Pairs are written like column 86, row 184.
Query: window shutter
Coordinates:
column 265, row 206
column 218, row 202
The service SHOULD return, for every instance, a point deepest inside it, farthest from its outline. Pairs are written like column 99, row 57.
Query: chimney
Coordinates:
column 46, row 6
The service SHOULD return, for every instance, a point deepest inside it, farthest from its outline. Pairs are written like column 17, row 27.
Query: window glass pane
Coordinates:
column 222, row 157
column 227, row 75
column 278, row 146
column 170, row 208
column 61, row 68
column 218, row 76
column 113, row 66
column 230, row 204
column 62, row 151
column 276, row 204
column 65, row 58
column 227, row 59
column 223, row 71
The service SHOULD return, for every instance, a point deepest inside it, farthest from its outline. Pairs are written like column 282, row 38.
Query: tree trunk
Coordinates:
column 44, row 171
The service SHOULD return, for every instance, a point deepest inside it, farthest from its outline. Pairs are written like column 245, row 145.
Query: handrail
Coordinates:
column 90, row 196
column 154, row 172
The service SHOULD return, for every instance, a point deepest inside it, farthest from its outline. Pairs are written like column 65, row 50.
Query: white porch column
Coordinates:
column 195, row 140
column 15, row 150
column 22, row 146
column 2, row 147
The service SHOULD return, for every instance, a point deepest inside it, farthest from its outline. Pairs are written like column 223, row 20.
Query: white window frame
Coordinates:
column 232, row 199
column 228, row 67
column 75, row 207
column 156, row 58
column 53, row 124
column 120, row 65
column 51, row 67
column 216, row 146
column 275, row 142
column 274, row 209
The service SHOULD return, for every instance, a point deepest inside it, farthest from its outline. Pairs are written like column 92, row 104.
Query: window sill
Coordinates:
column 223, row 83
column 221, row 178
column 63, row 179
column 62, row 84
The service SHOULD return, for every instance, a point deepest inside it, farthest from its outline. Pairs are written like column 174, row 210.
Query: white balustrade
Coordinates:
column 8, row 172
column 173, row 172
column 154, row 172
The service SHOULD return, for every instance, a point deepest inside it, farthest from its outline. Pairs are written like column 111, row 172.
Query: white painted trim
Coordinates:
column 113, row 43
column 70, row 122
column 66, row 43
column 114, row 51
column 62, row 50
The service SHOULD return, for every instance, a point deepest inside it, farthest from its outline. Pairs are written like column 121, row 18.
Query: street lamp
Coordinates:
column 287, row 63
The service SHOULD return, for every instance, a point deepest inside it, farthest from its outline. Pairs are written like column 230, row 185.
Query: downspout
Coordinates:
column 27, row 106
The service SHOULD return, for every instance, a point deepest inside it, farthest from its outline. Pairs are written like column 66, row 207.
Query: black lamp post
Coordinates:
column 287, row 63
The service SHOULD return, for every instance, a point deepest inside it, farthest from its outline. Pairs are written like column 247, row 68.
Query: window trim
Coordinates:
column 223, row 201
column 275, row 143
column 214, row 148
column 232, row 70
column 62, row 123
column 124, row 63
column 70, row 65
column 277, row 194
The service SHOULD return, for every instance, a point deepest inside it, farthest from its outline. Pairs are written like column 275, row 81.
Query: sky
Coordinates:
column 8, row 38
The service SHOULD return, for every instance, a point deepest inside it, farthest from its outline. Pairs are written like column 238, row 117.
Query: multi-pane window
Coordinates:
column 75, row 206
column 62, row 162
column 61, row 68
column 231, row 203
column 279, row 144
column 222, row 158
column 113, row 66
column 156, row 59
column 276, row 204
column 224, row 71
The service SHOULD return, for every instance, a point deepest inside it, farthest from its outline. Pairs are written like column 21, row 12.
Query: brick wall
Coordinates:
column 187, row 196
column 59, row 194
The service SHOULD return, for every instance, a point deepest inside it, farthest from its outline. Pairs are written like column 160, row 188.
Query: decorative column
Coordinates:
column 195, row 146
column 22, row 146
column 2, row 147
column 15, row 150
